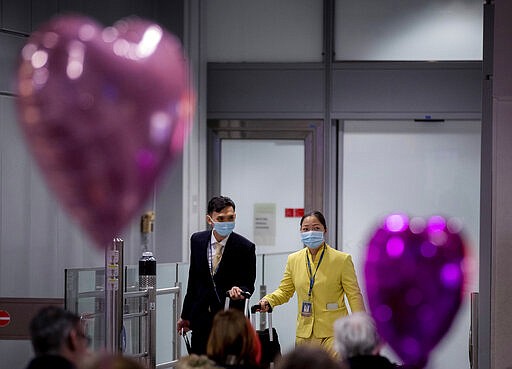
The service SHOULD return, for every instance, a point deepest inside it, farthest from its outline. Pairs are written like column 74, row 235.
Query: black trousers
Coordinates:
column 200, row 333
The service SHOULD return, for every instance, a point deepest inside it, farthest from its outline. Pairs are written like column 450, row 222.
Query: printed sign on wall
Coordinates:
column 265, row 224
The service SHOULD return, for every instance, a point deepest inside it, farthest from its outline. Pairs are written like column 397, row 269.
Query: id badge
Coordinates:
column 307, row 308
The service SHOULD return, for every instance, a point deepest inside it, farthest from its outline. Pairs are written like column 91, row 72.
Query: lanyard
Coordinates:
column 212, row 272
column 311, row 275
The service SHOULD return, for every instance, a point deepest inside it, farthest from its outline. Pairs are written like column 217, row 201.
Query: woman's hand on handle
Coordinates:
column 264, row 305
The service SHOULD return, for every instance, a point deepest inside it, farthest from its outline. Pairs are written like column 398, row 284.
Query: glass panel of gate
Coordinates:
column 85, row 296
column 132, row 320
column 135, row 316
column 166, row 275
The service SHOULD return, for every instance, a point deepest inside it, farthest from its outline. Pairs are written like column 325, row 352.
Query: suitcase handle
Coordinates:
column 257, row 308
column 245, row 294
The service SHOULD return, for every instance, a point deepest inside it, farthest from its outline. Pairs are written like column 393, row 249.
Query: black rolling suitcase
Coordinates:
column 270, row 347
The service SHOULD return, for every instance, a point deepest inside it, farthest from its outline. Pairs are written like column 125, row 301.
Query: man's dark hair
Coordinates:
column 218, row 203
column 50, row 328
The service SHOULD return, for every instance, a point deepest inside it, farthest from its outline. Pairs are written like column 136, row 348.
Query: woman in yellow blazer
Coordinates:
column 321, row 276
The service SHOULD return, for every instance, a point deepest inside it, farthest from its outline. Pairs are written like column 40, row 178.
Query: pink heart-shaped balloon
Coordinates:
column 414, row 275
column 103, row 112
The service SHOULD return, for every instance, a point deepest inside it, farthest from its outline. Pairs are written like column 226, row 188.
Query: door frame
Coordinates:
column 310, row 131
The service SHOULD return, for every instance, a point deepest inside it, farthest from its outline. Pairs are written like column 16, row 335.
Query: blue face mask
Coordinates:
column 223, row 228
column 312, row 239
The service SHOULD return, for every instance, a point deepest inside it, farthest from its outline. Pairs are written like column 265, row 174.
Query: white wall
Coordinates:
column 291, row 30
column 408, row 30
column 264, row 30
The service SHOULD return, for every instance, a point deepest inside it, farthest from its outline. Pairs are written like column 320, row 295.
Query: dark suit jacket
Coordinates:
column 369, row 362
column 237, row 268
column 50, row 361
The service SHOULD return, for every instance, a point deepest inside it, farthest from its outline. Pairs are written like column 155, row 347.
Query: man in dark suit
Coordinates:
column 220, row 261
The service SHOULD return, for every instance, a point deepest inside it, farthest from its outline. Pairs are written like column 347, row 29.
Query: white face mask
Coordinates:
column 223, row 228
column 312, row 239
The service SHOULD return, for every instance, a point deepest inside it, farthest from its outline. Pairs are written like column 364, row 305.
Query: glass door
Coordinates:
column 422, row 169
column 273, row 170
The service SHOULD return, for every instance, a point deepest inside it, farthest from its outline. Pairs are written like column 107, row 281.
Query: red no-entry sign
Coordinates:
column 5, row 318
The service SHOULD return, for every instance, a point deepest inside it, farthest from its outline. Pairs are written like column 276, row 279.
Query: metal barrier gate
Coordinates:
column 116, row 314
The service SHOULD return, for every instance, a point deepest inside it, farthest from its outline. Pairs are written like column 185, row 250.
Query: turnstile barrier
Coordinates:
column 118, row 316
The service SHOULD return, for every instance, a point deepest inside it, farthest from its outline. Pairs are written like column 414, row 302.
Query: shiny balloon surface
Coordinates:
column 103, row 111
column 414, row 275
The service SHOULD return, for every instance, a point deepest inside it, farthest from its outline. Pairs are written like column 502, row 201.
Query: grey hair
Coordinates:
column 49, row 329
column 355, row 335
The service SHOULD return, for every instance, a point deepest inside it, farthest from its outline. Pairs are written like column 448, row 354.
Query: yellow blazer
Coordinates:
column 335, row 278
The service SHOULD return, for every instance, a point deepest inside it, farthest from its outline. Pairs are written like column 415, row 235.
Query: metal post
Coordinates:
column 151, row 328
column 263, row 292
column 176, row 312
column 473, row 332
column 114, row 295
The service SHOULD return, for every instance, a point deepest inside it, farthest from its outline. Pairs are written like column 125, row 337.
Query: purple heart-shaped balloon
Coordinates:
column 414, row 275
column 103, row 110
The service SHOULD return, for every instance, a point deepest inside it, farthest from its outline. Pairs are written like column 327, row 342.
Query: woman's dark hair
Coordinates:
column 233, row 340
column 317, row 215
column 218, row 203
column 306, row 356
